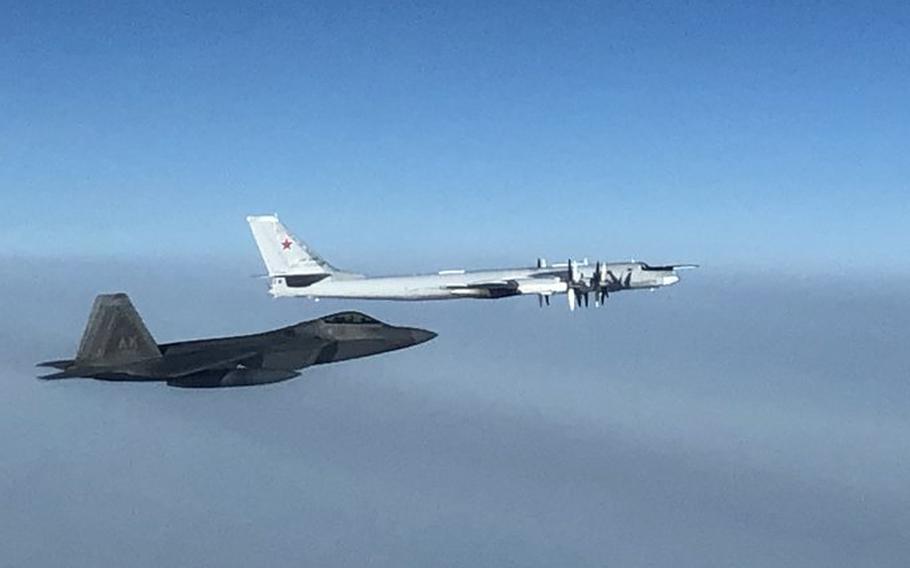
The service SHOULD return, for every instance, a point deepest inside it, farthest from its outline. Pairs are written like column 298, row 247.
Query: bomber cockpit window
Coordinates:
column 353, row 318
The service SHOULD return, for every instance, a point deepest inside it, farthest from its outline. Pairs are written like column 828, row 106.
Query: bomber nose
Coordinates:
column 421, row 335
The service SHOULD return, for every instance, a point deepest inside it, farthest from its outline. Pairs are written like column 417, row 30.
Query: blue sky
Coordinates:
column 464, row 132
column 727, row 421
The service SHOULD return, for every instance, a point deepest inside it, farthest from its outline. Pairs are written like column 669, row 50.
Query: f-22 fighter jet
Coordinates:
column 116, row 346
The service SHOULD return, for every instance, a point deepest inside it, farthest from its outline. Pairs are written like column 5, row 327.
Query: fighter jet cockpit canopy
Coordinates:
column 350, row 318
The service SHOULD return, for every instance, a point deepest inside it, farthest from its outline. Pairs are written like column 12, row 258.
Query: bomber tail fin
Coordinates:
column 115, row 334
column 282, row 252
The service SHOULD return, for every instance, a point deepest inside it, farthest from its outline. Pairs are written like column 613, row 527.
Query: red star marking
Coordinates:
column 286, row 243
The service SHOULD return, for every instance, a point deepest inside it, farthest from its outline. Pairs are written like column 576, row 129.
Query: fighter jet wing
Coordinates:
column 167, row 367
column 188, row 363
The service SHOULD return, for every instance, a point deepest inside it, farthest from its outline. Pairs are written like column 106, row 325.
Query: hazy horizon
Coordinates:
column 716, row 422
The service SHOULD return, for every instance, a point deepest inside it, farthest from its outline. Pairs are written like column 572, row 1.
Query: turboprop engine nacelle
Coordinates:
column 543, row 286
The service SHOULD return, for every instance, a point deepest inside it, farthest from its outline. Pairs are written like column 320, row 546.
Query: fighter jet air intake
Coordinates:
column 294, row 269
column 116, row 346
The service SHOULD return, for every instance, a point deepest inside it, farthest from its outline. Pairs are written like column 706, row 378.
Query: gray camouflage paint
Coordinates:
column 116, row 346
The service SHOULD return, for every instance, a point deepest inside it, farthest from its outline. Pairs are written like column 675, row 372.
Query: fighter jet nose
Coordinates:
column 422, row 335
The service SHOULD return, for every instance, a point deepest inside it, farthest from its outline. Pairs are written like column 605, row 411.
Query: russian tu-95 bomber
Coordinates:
column 296, row 270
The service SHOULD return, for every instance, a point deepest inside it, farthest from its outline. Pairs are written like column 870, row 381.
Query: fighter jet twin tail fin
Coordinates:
column 114, row 335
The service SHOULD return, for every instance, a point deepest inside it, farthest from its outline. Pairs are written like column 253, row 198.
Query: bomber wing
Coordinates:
column 513, row 286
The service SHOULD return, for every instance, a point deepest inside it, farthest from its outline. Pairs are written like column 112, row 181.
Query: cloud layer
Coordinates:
column 733, row 420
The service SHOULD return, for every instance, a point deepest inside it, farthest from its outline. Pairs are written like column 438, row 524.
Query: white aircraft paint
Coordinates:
column 296, row 270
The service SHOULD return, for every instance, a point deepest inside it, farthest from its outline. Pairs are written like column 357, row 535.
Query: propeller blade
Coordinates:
column 570, row 294
column 540, row 300
column 547, row 299
column 573, row 272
